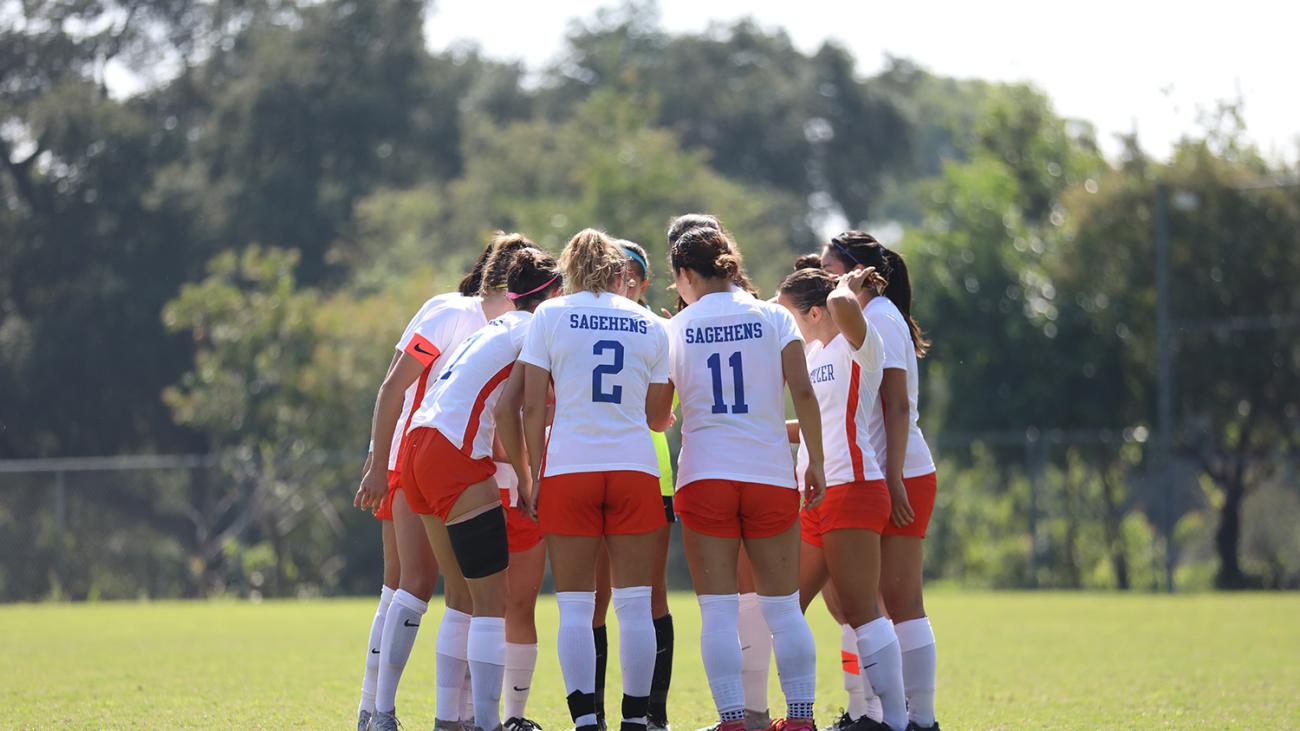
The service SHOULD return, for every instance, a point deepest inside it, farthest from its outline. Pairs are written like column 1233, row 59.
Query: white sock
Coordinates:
column 453, row 663
column 920, row 668
column 852, row 674
column 882, row 663
column 576, row 646
column 400, row 626
column 521, row 660
column 755, row 652
column 636, row 649
column 372, row 652
column 720, row 650
column 467, row 697
column 487, row 667
column 795, row 650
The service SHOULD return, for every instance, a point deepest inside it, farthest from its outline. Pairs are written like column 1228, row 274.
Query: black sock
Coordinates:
column 602, row 660
column 634, row 707
column 663, row 676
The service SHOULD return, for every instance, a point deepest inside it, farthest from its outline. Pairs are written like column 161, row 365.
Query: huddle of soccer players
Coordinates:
column 531, row 404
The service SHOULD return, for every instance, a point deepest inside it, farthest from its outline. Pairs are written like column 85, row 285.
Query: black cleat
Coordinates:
column 522, row 724
column 914, row 726
column 841, row 724
column 866, row 723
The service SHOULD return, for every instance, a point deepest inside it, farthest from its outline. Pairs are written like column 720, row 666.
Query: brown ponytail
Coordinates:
column 705, row 251
column 686, row 222
column 807, row 288
column 534, row 275
column 497, row 267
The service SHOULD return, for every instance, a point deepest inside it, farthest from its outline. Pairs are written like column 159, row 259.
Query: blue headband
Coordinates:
column 846, row 252
column 645, row 265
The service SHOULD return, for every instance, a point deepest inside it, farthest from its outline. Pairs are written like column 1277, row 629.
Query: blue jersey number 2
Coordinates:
column 598, row 393
column 738, row 380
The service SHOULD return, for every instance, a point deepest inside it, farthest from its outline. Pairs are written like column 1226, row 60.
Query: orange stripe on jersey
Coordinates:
column 471, row 428
column 420, row 385
column 851, row 423
column 421, row 349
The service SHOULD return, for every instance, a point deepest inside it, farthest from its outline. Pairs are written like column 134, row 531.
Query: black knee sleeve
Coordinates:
column 480, row 544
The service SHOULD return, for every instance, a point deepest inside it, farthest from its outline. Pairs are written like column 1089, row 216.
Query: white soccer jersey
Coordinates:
column 437, row 329
column 507, row 480
column 460, row 402
column 603, row 352
column 415, row 391
column 886, row 319
column 726, row 366
column 845, row 381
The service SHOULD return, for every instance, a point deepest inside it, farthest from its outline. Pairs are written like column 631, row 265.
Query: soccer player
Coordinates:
column 438, row 330
column 469, row 286
column 732, row 354
column 755, row 638
column 448, row 472
column 901, row 450
column 524, row 576
column 633, row 285
column 608, row 358
column 842, row 535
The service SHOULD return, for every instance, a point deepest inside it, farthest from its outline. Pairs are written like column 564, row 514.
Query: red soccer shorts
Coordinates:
column 731, row 509
column 622, row 502
column 385, row 509
column 521, row 531
column 864, row 505
column 435, row 472
column 920, row 495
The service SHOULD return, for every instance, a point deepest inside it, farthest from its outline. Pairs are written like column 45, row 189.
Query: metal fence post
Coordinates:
column 1033, row 472
column 60, row 523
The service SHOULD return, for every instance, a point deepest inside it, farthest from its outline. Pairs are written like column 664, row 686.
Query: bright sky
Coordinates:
column 1151, row 65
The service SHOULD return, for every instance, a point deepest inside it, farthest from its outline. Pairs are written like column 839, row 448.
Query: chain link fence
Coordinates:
column 1031, row 509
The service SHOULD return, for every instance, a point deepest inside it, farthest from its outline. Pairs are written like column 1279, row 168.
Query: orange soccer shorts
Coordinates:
column 522, row 532
column 863, row 505
column 732, row 509
column 435, row 472
column 920, row 495
column 621, row 502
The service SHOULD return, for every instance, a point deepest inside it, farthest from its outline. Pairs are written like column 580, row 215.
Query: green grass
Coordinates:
column 1006, row 661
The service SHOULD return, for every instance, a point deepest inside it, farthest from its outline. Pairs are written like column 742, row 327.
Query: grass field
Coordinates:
column 1007, row 661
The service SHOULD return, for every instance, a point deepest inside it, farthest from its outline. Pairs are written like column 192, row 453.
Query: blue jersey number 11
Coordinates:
column 738, row 379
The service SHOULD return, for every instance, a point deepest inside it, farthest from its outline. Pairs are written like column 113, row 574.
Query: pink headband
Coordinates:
column 547, row 283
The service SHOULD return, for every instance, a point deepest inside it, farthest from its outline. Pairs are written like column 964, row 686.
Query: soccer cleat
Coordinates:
column 841, row 724
column 736, row 725
column 442, row 725
column 867, row 723
column 654, row 723
column 914, row 726
column 381, row 721
column 521, row 724
column 363, row 720
column 794, row 724
column 757, row 720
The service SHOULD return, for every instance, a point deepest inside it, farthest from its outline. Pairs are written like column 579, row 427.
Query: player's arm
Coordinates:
column 417, row 354
column 659, row 406
column 537, row 382
column 510, row 433
column 795, row 369
column 898, row 422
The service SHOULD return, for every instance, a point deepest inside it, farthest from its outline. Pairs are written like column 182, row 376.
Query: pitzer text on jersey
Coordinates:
column 821, row 374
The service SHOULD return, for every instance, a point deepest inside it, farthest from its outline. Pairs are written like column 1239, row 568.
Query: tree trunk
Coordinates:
column 1112, row 523
column 1227, row 539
